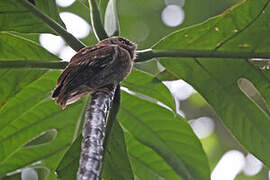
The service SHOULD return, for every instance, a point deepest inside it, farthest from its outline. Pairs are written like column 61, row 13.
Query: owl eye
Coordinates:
column 122, row 41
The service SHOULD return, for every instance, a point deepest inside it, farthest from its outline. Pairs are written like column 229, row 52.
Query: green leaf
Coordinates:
column 166, row 76
column 26, row 116
column 69, row 165
column 146, row 163
column 217, row 80
column 44, row 138
column 168, row 135
column 198, row 12
column 150, row 86
column 42, row 174
column 111, row 22
column 27, row 111
column 14, row 17
column 96, row 21
column 82, row 10
column 13, row 47
column 102, row 4
column 141, row 20
column 116, row 162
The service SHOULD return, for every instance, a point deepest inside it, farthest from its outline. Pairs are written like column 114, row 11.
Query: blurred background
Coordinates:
column 146, row 22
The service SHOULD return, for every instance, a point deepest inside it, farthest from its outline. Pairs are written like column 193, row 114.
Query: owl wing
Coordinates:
column 72, row 83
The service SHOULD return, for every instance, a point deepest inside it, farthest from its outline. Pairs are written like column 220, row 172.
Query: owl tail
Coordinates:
column 59, row 96
column 65, row 97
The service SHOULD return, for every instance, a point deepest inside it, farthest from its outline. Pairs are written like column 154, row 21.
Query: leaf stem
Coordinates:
column 96, row 22
column 33, row 64
column 73, row 42
column 147, row 54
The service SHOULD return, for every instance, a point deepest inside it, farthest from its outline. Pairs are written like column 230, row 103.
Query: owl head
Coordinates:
column 122, row 42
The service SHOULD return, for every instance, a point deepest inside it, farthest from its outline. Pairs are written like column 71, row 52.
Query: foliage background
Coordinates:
column 27, row 111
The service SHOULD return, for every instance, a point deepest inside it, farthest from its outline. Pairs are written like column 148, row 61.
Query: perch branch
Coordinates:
column 73, row 42
column 92, row 153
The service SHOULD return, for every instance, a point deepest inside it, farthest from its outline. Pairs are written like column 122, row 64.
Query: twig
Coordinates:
column 93, row 136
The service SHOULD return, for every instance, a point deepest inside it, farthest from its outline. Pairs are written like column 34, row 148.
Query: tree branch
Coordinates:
column 73, row 42
column 96, row 22
column 93, row 135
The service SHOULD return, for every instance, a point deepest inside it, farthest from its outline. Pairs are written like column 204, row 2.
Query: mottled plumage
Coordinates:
column 92, row 68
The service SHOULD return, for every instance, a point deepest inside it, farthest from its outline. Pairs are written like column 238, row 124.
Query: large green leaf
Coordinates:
column 141, row 20
column 150, row 86
column 14, row 47
column 15, row 17
column 26, row 110
column 68, row 166
column 26, row 116
column 168, row 135
column 116, row 162
column 146, row 163
column 242, row 28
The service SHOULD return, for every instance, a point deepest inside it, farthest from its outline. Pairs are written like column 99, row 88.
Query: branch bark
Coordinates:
column 94, row 135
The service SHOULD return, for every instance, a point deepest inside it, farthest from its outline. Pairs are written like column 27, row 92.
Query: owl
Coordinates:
column 94, row 68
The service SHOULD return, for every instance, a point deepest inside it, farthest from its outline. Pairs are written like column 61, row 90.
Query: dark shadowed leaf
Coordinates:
column 116, row 162
column 68, row 166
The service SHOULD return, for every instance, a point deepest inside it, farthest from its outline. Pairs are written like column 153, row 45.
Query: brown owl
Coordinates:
column 92, row 68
